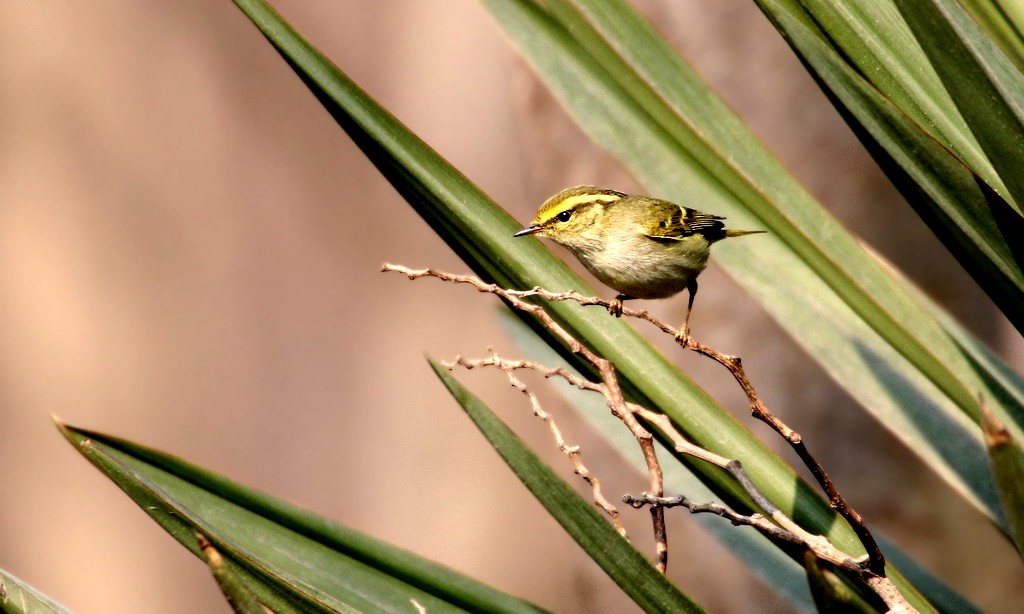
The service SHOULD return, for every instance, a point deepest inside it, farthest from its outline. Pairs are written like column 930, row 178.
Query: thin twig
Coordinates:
column 612, row 391
column 573, row 452
column 759, row 522
column 758, row 409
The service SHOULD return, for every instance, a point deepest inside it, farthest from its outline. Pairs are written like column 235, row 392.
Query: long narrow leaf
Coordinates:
column 1007, row 460
column 878, row 45
column 998, row 20
column 875, row 43
column 919, row 164
column 635, row 575
column 17, row 597
column 290, row 559
column 986, row 87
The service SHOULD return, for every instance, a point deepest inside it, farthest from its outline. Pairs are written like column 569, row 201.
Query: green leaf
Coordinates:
column 986, row 87
column 923, row 158
column 1002, row 20
column 876, row 43
column 1007, row 460
column 290, row 559
column 898, row 106
column 831, row 593
column 623, row 564
column 232, row 582
column 16, row 597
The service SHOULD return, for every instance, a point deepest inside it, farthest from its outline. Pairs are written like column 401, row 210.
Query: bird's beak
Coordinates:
column 529, row 230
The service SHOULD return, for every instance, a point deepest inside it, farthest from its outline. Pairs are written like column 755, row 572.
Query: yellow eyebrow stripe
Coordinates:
column 572, row 201
column 572, row 198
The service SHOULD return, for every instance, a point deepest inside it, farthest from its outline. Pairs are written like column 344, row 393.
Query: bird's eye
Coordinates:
column 564, row 216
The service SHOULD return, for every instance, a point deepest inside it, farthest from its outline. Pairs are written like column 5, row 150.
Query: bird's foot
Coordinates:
column 683, row 336
column 615, row 307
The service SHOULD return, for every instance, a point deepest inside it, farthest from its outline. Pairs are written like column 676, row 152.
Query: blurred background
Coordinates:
column 189, row 257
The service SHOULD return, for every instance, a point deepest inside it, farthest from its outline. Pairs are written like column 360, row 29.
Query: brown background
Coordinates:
column 189, row 255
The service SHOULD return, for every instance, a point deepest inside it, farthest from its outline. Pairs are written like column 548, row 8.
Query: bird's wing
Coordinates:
column 675, row 222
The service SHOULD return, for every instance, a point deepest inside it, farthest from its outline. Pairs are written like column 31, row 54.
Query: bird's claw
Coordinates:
column 615, row 307
column 683, row 336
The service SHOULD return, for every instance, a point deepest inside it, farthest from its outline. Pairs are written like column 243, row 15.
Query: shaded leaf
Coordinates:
column 986, row 87
column 877, row 74
column 1002, row 19
column 1007, row 460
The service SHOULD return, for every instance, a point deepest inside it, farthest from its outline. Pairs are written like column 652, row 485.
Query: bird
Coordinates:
column 641, row 247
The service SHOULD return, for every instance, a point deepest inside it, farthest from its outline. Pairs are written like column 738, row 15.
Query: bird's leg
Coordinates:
column 684, row 332
column 615, row 308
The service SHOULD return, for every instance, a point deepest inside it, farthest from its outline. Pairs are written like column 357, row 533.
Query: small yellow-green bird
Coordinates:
column 640, row 247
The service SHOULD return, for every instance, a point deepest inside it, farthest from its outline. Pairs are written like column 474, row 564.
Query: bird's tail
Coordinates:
column 740, row 233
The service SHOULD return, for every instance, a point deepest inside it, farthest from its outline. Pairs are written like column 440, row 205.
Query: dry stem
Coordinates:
column 573, row 452
column 612, row 392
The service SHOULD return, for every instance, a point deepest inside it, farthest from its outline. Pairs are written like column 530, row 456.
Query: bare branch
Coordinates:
column 759, row 522
column 870, row 568
column 573, row 452
column 612, row 391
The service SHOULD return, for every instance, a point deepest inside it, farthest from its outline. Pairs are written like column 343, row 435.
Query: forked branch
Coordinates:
column 870, row 568
column 606, row 370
